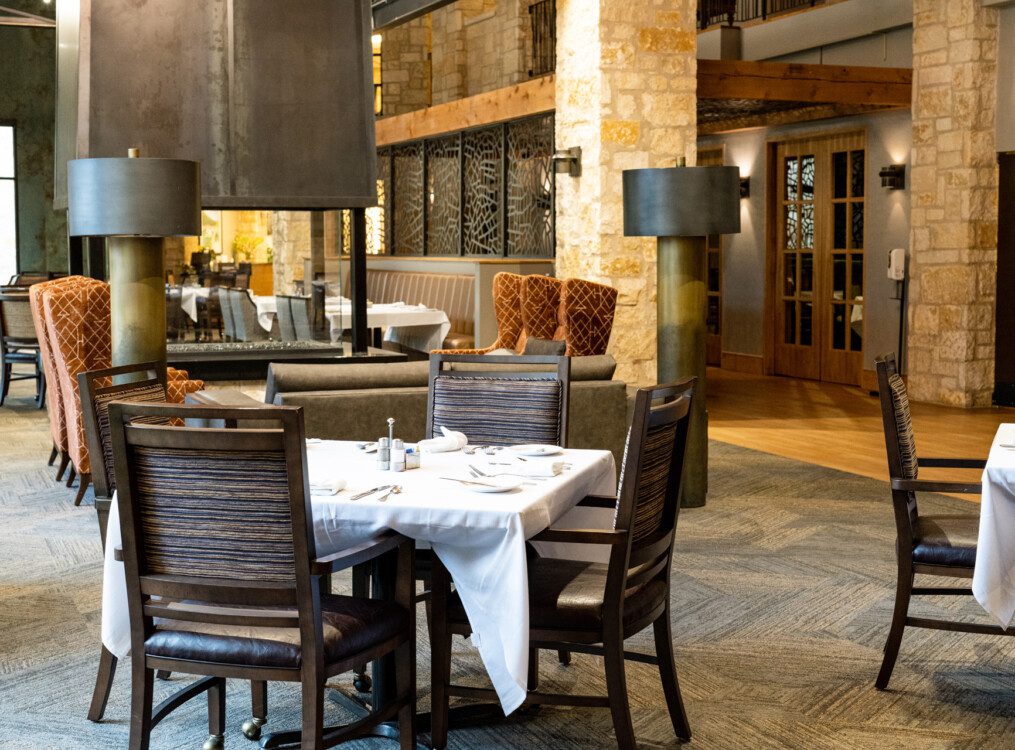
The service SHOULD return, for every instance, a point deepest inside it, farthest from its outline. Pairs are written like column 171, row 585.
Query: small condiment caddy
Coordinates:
column 392, row 453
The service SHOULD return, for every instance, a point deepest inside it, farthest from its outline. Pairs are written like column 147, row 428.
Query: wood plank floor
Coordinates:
column 838, row 426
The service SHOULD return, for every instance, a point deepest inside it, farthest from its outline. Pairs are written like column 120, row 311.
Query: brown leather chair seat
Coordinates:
column 349, row 626
column 569, row 594
column 946, row 540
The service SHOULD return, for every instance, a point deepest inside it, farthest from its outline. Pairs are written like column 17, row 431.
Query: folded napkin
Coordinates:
column 534, row 469
column 450, row 441
column 326, row 485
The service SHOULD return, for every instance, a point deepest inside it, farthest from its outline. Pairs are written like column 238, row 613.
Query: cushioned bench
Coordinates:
column 452, row 293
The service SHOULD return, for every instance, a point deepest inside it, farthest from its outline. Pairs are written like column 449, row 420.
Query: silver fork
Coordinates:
column 480, row 472
column 475, row 473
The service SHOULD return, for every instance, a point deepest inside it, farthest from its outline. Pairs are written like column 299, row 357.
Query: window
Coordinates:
column 8, row 206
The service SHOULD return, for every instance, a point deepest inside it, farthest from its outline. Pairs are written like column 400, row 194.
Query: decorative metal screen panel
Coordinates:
column 483, row 155
column 483, row 192
column 530, row 187
column 444, row 196
column 407, row 212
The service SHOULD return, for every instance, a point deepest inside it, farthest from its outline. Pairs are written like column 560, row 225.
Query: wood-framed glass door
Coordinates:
column 713, row 276
column 819, row 257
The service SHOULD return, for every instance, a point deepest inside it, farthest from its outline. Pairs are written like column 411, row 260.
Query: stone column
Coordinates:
column 626, row 79
column 405, row 67
column 953, row 261
column 291, row 242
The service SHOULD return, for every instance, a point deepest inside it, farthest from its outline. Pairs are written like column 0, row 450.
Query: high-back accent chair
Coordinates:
column 225, row 303
column 284, row 316
column 54, row 403
column 77, row 323
column 540, row 301
column 19, row 344
column 260, row 554
column 503, row 401
column 931, row 545
column 595, row 607
column 586, row 316
column 507, row 308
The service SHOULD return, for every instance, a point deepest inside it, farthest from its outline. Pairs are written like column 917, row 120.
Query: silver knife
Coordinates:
column 371, row 491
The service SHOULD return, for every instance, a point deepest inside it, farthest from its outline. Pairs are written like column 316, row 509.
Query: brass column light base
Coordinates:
column 136, row 203
column 680, row 207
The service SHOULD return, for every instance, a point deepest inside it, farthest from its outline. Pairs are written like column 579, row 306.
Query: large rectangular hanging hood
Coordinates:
column 275, row 99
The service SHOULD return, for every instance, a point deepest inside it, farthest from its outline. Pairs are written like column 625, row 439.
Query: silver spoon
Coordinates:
column 394, row 490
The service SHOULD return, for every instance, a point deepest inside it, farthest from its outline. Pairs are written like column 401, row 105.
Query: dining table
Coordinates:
column 994, row 573
column 413, row 326
column 479, row 535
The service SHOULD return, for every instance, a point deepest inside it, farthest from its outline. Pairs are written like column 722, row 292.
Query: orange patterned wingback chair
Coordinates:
column 77, row 324
column 540, row 302
column 508, row 310
column 586, row 316
column 54, row 404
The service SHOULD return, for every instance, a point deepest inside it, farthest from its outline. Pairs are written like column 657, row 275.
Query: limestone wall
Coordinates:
column 626, row 80
column 954, row 210
column 405, row 67
column 291, row 241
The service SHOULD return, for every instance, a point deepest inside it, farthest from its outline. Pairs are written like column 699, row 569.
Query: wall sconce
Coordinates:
column 745, row 187
column 568, row 160
column 893, row 176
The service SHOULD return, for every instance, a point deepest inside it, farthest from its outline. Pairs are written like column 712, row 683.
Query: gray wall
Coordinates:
column 886, row 49
column 28, row 99
column 889, row 141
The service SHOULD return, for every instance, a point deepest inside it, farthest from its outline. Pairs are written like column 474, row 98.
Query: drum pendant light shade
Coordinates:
column 681, row 201
column 134, row 197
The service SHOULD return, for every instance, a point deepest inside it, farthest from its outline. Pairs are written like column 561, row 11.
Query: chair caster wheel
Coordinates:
column 362, row 683
column 214, row 742
column 252, row 728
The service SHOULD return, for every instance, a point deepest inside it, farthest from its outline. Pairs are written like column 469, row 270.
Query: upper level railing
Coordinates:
column 711, row 12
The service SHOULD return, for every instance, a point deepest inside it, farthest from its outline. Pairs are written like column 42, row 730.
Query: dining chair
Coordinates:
column 245, row 322
column 303, row 318
column 19, row 345
column 228, row 329
column 176, row 328
column 257, row 565
column 318, row 297
column 284, row 315
column 209, row 315
column 936, row 545
column 594, row 607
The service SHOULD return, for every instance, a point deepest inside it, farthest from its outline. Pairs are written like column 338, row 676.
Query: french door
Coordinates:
column 819, row 257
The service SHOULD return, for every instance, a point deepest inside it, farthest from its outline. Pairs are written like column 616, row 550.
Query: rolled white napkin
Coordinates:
column 326, row 485
column 449, row 441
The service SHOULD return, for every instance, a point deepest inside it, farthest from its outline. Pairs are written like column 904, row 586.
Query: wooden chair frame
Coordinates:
column 628, row 567
column 304, row 595
column 906, row 514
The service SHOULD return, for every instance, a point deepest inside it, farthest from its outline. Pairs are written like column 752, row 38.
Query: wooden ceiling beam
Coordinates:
column 819, row 84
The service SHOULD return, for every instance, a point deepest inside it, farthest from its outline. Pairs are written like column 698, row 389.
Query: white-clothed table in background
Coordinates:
column 189, row 295
column 479, row 537
column 994, row 575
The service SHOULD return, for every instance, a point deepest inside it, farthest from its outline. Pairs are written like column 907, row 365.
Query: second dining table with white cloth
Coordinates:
column 189, row 296
column 415, row 326
column 480, row 538
column 994, row 574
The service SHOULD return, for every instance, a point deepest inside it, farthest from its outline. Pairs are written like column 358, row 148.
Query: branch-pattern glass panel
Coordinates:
column 407, row 163
column 530, row 187
column 791, row 226
column 857, row 224
column 857, row 173
column 792, row 178
column 483, row 154
column 807, row 178
column 443, row 193
column 807, row 225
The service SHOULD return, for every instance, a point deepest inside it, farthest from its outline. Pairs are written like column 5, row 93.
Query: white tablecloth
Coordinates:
column 994, row 575
column 189, row 297
column 414, row 326
column 479, row 537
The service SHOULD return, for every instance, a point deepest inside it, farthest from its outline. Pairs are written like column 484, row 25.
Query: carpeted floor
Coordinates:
column 782, row 596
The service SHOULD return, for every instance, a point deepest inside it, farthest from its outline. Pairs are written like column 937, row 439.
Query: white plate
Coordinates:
column 496, row 484
column 536, row 450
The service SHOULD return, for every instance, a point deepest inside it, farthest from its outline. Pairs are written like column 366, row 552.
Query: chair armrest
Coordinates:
column 930, row 485
column 598, row 501
column 357, row 554
column 952, row 463
column 118, row 554
column 611, row 537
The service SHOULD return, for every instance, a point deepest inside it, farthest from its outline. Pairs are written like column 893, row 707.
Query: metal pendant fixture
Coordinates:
column 136, row 203
column 681, row 206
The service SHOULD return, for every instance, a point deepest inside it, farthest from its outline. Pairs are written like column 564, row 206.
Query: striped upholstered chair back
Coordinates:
column 648, row 497
column 225, row 509
column 900, row 441
column 499, row 400
column 98, row 389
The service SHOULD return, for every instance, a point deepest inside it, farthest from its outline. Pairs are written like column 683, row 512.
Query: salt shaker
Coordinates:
column 384, row 454
column 397, row 455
